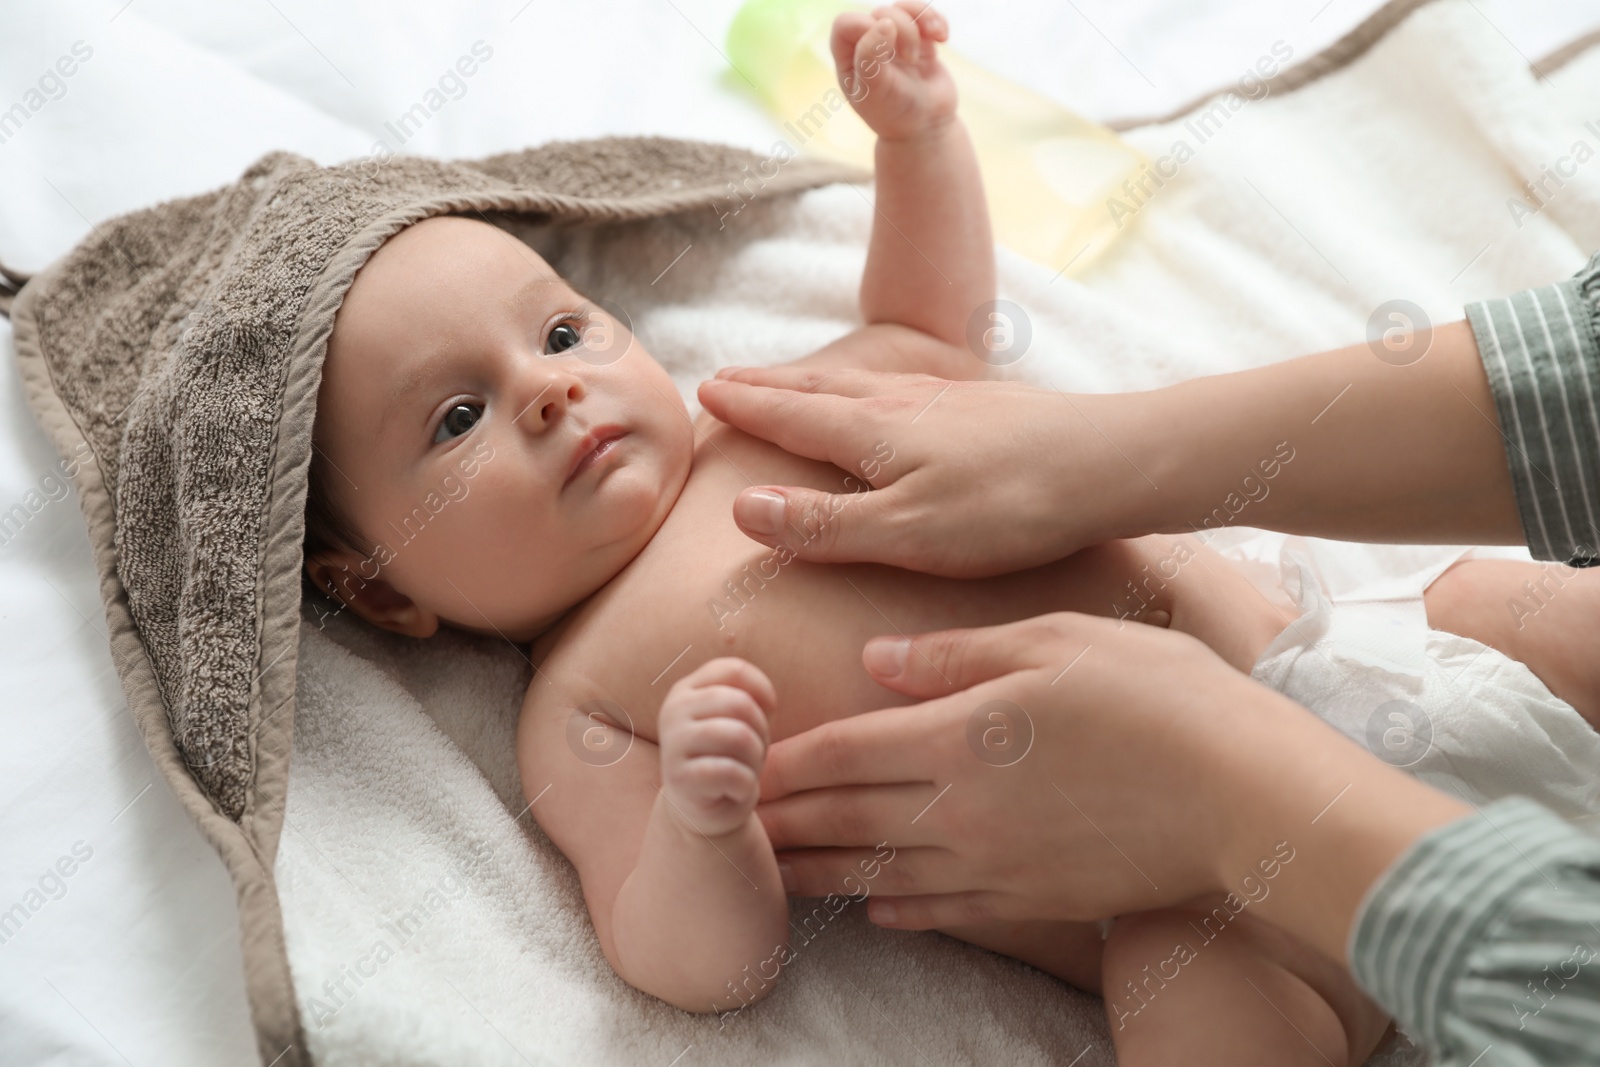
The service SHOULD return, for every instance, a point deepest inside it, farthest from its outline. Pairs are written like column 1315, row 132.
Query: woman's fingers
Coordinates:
column 817, row 414
column 822, row 425
column 881, row 869
column 932, row 912
column 956, row 454
column 885, row 747
column 849, row 816
column 822, row 527
column 839, row 381
column 935, row 664
column 799, row 379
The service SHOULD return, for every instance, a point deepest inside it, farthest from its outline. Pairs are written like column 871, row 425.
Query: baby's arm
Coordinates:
column 678, row 874
column 895, row 349
column 930, row 264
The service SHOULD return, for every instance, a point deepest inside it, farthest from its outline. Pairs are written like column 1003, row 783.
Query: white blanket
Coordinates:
column 428, row 923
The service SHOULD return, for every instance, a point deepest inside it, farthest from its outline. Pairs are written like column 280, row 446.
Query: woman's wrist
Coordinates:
column 1154, row 462
column 1299, row 789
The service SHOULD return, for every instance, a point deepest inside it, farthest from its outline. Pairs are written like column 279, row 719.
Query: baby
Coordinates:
column 669, row 649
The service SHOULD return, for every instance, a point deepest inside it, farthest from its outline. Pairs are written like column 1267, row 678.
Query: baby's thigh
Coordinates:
column 1230, row 989
column 1176, row 582
column 1068, row 950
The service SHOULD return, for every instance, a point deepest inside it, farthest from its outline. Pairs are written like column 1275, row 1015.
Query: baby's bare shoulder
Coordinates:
column 566, row 678
column 614, row 659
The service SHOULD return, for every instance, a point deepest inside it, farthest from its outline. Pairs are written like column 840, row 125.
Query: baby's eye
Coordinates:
column 562, row 338
column 457, row 421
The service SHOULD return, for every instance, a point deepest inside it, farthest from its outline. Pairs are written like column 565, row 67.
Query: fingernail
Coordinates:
column 786, row 872
column 882, row 912
column 728, row 372
column 760, row 511
column 886, row 656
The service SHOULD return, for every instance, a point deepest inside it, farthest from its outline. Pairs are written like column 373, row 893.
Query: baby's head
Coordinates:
column 491, row 447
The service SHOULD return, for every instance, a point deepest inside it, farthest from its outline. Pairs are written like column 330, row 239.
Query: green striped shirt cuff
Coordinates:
column 1541, row 349
column 1483, row 941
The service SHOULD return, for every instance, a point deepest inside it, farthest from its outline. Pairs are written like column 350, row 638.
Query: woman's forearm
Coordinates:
column 1300, row 788
column 1474, row 928
column 1337, row 444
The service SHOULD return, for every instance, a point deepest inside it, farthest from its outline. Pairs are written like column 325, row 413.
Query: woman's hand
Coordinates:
column 972, row 478
column 990, row 477
column 1013, row 799
column 1091, row 769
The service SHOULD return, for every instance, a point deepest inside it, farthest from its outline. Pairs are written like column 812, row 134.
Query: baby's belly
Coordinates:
column 803, row 624
column 806, row 627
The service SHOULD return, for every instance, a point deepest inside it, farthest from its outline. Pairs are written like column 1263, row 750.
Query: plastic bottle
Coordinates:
column 1048, row 173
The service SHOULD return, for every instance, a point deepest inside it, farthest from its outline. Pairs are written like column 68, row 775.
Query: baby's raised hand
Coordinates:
column 713, row 729
column 888, row 68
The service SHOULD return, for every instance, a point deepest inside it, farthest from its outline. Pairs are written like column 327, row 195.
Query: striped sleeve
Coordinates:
column 1483, row 941
column 1541, row 349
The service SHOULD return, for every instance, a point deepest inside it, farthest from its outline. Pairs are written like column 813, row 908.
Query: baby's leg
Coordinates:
column 1176, row 582
column 1181, row 986
column 1068, row 950
column 1544, row 614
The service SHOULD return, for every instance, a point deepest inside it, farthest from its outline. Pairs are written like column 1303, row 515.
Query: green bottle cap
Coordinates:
column 767, row 36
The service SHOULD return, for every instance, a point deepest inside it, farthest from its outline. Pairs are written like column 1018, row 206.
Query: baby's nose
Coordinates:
column 551, row 402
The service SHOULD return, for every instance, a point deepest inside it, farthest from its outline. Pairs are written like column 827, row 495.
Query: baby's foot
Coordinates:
column 713, row 729
column 1543, row 614
column 889, row 69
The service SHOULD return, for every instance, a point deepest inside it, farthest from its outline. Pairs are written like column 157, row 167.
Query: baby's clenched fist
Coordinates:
column 889, row 68
column 713, row 729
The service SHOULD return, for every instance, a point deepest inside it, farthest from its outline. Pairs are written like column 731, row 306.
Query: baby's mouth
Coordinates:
column 592, row 448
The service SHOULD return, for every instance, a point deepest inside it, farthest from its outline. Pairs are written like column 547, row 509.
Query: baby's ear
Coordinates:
column 337, row 572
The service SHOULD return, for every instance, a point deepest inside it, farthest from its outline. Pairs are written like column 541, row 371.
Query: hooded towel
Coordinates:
column 182, row 346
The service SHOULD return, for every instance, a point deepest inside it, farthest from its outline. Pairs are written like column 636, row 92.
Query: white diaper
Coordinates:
column 1457, row 714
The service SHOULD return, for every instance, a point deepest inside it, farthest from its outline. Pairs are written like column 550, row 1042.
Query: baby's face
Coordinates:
column 483, row 427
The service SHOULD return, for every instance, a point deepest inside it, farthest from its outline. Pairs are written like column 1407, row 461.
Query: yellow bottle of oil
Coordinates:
column 1048, row 173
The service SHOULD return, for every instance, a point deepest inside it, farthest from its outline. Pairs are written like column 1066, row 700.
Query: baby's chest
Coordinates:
column 702, row 589
column 801, row 627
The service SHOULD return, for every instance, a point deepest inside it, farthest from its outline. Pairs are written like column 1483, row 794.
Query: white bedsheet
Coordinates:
column 132, row 957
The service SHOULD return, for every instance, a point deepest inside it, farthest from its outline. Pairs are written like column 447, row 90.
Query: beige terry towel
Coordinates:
column 183, row 343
